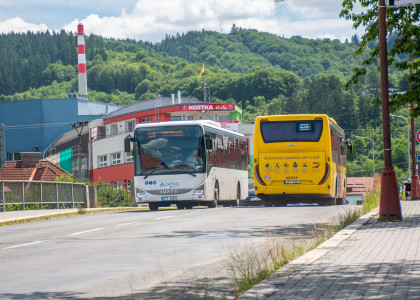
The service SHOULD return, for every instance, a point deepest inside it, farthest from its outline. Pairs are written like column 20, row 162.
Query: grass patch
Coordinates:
column 251, row 264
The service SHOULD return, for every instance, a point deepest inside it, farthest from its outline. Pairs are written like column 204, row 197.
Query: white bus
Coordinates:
column 188, row 163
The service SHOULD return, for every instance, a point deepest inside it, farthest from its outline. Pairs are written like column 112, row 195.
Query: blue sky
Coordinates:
column 151, row 20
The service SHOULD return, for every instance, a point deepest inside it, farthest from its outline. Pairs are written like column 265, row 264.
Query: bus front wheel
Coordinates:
column 237, row 201
column 180, row 206
column 213, row 203
column 153, row 206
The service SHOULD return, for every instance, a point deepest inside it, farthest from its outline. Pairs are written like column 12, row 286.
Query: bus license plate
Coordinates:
column 292, row 182
column 169, row 198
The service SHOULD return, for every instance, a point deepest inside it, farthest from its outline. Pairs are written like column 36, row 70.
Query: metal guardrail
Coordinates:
column 25, row 194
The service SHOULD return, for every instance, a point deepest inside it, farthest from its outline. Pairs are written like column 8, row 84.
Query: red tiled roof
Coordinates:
column 42, row 171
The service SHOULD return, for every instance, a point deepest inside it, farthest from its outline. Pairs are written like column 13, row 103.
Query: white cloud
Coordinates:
column 19, row 25
column 314, row 9
column 152, row 20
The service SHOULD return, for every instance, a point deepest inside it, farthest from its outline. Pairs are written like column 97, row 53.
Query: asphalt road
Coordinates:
column 172, row 254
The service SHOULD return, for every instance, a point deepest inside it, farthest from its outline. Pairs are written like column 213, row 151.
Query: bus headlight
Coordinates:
column 140, row 193
column 199, row 190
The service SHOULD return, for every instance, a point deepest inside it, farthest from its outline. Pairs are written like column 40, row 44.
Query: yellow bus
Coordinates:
column 300, row 159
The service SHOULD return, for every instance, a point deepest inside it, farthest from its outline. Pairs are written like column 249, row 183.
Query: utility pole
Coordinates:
column 415, row 185
column 389, row 205
column 206, row 92
column 79, row 129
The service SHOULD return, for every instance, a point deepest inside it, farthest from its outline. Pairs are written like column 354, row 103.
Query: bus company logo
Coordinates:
column 169, row 191
column 170, row 184
column 150, row 182
column 316, row 165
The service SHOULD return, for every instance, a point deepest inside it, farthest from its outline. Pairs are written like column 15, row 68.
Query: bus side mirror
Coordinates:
column 127, row 143
column 349, row 146
column 209, row 143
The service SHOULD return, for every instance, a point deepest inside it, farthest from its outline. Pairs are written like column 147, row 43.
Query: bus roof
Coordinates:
column 296, row 117
column 201, row 123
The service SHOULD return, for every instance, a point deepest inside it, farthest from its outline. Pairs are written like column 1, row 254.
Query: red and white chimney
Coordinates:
column 81, row 58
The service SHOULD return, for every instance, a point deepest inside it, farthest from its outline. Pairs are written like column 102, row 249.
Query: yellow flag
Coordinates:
column 201, row 71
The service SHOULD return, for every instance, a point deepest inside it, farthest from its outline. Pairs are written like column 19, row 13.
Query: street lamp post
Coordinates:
column 373, row 150
column 408, row 141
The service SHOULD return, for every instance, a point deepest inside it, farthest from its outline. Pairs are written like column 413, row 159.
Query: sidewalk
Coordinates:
column 366, row 260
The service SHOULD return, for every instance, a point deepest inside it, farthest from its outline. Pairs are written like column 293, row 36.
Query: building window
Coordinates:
column 189, row 118
column 98, row 133
column 223, row 117
column 129, row 156
column 116, row 158
column 118, row 185
column 129, row 126
column 114, row 129
column 176, row 118
column 12, row 156
column 103, row 161
column 209, row 117
column 146, row 120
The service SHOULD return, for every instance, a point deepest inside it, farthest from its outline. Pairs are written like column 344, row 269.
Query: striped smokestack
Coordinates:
column 81, row 59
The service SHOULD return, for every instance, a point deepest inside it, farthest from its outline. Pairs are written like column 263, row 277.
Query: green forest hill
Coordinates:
column 261, row 72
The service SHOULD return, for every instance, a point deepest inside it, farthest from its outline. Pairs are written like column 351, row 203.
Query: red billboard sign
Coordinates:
column 207, row 107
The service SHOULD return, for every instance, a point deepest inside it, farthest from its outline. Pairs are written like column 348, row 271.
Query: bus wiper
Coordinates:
column 160, row 166
column 154, row 169
column 191, row 172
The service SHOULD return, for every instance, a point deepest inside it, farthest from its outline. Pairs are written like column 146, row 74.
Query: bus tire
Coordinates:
column 237, row 201
column 189, row 205
column 213, row 204
column 153, row 206
column 180, row 206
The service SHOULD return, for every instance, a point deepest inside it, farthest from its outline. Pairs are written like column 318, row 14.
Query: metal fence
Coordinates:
column 15, row 195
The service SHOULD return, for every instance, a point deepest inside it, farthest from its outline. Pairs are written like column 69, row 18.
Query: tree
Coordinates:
column 402, row 21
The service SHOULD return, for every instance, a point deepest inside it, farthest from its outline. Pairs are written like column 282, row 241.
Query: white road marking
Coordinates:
column 23, row 245
column 125, row 224
column 167, row 217
column 87, row 231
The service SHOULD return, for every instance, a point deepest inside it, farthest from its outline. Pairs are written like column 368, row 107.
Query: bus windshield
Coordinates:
column 291, row 131
column 169, row 150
